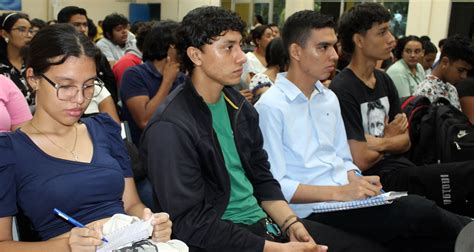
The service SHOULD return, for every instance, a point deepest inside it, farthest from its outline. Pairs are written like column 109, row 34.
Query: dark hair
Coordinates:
column 403, row 42
column 136, row 26
column 36, row 22
column 52, row 22
column 259, row 19
column 459, row 47
column 360, row 19
column 7, row 20
column 60, row 40
column 202, row 26
column 158, row 40
column 429, row 47
column 91, row 29
column 111, row 21
column 142, row 32
column 298, row 26
column 272, row 25
column 65, row 14
column 258, row 32
column 275, row 54
column 425, row 38
column 441, row 42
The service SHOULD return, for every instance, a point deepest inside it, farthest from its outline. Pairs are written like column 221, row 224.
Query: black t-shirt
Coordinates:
column 466, row 87
column 364, row 109
column 8, row 70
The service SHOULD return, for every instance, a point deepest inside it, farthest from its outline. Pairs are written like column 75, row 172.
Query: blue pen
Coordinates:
column 72, row 220
column 358, row 173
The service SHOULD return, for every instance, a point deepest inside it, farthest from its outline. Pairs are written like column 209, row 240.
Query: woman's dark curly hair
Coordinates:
column 403, row 42
column 202, row 26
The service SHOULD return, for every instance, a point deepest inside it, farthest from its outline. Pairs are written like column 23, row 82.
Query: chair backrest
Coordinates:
column 15, row 233
column 465, row 240
column 24, row 229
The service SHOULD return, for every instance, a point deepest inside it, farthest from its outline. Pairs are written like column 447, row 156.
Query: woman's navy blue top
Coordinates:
column 36, row 182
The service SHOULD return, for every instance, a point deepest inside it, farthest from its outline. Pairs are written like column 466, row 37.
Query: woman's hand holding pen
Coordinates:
column 85, row 239
column 161, row 225
column 359, row 187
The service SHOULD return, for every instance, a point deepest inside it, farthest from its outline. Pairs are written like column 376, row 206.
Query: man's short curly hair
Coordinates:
column 202, row 26
column 459, row 47
column 111, row 21
column 360, row 19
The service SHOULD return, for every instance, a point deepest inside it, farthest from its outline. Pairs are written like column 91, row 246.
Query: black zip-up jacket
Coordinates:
column 186, row 166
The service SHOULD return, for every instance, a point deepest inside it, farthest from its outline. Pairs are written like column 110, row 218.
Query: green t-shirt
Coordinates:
column 243, row 207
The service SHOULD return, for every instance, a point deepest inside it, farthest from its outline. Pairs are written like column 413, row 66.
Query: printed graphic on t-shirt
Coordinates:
column 373, row 116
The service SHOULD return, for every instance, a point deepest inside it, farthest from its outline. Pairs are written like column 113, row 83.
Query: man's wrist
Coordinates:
column 292, row 227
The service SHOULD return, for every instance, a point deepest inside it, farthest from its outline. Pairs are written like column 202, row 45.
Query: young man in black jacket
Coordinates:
column 204, row 156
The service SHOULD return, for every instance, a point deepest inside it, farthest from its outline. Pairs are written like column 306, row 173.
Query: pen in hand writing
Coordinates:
column 72, row 220
column 358, row 173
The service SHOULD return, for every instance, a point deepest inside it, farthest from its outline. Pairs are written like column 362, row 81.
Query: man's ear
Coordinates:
column 194, row 55
column 295, row 51
column 31, row 79
column 5, row 35
column 444, row 61
column 358, row 40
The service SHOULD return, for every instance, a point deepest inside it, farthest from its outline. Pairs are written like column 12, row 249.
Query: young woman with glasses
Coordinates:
column 58, row 160
column 16, row 33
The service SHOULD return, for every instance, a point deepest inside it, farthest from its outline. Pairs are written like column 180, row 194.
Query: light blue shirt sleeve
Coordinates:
column 341, row 143
column 271, row 124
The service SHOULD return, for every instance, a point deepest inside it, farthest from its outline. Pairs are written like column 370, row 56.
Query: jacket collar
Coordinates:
column 232, row 97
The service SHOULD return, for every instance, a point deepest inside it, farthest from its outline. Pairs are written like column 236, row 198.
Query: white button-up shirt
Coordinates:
column 305, row 138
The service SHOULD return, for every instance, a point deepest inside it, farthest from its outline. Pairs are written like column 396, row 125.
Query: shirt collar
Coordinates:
column 418, row 73
column 292, row 91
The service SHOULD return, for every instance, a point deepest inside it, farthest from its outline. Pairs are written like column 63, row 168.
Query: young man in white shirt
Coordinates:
column 305, row 139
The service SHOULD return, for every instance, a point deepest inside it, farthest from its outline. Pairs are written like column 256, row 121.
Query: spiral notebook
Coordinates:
column 382, row 199
column 134, row 232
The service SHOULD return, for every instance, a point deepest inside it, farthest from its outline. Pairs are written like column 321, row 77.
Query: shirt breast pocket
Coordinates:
column 326, row 126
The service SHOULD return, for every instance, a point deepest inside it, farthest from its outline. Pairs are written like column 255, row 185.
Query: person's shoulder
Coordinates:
column 177, row 109
column 175, row 106
column 396, row 67
column 382, row 75
column 429, row 81
column 7, row 86
column 133, row 71
column 342, row 81
column 7, row 153
column 101, row 121
column 273, row 98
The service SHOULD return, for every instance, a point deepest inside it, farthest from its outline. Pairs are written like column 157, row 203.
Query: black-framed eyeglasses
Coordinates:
column 69, row 92
column 24, row 30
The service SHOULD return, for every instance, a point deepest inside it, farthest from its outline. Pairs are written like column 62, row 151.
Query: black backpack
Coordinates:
column 439, row 132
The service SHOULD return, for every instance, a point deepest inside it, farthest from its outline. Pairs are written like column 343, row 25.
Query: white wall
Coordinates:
column 36, row 8
column 292, row 6
column 429, row 17
column 98, row 9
